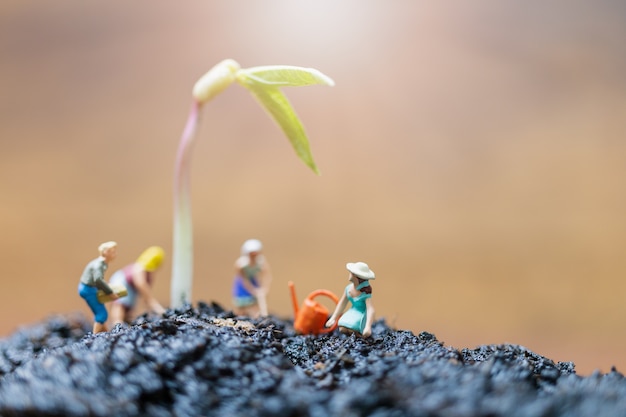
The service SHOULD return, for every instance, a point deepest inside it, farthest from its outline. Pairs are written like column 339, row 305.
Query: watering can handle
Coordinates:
column 332, row 297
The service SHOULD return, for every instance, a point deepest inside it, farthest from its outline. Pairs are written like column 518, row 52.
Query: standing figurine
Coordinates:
column 252, row 280
column 360, row 316
column 92, row 280
column 138, row 279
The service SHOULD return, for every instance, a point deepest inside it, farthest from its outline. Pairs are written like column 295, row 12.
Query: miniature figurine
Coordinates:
column 360, row 316
column 252, row 280
column 92, row 280
column 138, row 278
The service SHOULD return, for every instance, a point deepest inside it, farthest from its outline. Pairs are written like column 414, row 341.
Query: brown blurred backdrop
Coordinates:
column 472, row 152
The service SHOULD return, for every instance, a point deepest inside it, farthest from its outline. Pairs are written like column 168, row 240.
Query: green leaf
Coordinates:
column 277, row 105
column 282, row 76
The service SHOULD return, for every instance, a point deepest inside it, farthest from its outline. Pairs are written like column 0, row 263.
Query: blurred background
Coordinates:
column 473, row 153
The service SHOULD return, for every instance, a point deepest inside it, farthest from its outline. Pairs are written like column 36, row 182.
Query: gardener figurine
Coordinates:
column 252, row 280
column 360, row 316
column 138, row 279
column 92, row 280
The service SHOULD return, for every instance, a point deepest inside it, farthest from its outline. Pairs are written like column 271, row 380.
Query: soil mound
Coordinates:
column 204, row 361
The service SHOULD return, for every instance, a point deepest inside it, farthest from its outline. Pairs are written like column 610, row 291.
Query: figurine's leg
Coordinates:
column 254, row 311
column 118, row 313
column 99, row 327
column 347, row 331
column 128, row 315
column 121, row 309
column 90, row 295
column 251, row 311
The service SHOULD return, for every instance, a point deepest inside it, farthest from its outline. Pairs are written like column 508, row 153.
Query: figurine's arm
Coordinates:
column 251, row 289
column 341, row 305
column 100, row 283
column 369, row 318
column 143, row 288
column 265, row 278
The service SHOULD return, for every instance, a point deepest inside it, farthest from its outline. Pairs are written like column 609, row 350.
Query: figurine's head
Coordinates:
column 251, row 247
column 360, row 270
column 108, row 250
column 151, row 259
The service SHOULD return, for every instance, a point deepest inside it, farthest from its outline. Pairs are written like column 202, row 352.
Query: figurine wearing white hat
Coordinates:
column 252, row 280
column 360, row 316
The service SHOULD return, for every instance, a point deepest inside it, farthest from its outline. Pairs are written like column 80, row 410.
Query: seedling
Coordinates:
column 264, row 83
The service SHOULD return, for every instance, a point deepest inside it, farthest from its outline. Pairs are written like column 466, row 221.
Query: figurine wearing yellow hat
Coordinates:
column 138, row 279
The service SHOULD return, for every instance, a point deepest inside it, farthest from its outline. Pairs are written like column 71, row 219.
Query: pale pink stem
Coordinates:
column 182, row 256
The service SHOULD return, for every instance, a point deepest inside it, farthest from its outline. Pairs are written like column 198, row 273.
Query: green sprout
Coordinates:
column 264, row 83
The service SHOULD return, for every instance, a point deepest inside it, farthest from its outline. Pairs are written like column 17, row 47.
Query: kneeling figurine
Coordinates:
column 138, row 278
column 360, row 316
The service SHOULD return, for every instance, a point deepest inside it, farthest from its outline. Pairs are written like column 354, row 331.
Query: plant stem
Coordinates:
column 182, row 257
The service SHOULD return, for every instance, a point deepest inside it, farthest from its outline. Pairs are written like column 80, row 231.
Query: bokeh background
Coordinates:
column 472, row 152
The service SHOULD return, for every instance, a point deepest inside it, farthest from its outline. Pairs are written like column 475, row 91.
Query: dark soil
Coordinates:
column 205, row 362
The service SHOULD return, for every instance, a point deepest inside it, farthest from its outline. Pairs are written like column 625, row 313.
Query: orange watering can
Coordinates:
column 312, row 317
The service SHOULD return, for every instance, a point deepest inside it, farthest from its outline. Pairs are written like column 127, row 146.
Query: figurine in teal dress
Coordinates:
column 360, row 316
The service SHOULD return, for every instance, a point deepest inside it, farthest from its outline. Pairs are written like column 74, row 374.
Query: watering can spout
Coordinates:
column 294, row 300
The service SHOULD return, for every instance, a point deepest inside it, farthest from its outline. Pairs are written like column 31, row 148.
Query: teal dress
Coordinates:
column 356, row 316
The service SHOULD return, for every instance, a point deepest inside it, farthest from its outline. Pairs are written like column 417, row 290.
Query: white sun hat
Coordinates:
column 361, row 270
column 251, row 245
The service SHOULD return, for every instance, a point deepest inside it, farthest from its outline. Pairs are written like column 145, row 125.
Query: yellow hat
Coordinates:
column 151, row 258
